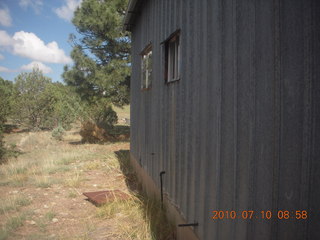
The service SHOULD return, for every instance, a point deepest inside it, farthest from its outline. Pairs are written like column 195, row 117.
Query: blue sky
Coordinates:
column 35, row 33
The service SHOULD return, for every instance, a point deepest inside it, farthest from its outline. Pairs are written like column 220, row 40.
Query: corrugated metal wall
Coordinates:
column 241, row 129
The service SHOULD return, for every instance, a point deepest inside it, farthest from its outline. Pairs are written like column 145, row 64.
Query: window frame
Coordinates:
column 172, row 46
column 146, row 73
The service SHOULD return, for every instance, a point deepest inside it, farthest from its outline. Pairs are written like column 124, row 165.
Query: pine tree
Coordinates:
column 101, row 57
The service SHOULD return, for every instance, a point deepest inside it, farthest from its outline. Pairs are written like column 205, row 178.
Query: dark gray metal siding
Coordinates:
column 241, row 129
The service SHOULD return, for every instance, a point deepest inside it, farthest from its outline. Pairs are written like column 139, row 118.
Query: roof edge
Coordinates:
column 130, row 14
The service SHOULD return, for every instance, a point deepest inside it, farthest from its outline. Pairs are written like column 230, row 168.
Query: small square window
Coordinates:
column 146, row 67
column 172, row 48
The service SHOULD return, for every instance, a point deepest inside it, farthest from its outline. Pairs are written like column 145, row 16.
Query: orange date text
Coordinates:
column 266, row 214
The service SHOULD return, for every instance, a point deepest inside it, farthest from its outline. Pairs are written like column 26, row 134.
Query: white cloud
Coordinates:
column 4, row 69
column 36, row 5
column 29, row 45
column 5, row 39
column 1, row 57
column 5, row 18
column 66, row 11
column 44, row 68
column 28, row 67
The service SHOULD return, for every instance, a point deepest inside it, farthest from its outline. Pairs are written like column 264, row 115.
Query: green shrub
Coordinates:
column 6, row 89
column 100, row 113
column 98, row 123
column 58, row 133
column 107, row 118
column 12, row 151
column 40, row 103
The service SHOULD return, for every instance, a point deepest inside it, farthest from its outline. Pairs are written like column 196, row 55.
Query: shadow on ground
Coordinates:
column 161, row 228
column 97, row 135
column 14, row 128
column 76, row 142
column 120, row 130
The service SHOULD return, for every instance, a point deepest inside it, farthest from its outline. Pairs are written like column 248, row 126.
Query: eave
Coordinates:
column 132, row 12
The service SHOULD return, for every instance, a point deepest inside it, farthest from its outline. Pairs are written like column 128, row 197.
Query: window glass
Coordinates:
column 173, row 58
column 146, row 68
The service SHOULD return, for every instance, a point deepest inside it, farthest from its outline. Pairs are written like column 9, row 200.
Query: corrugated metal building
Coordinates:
column 225, row 98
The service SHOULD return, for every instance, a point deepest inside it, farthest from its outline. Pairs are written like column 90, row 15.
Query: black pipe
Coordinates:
column 161, row 188
column 188, row 225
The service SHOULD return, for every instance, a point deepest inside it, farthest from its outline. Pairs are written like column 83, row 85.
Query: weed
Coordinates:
column 18, row 180
column 36, row 236
column 41, row 225
column 23, row 201
column 66, row 161
column 44, row 181
column 3, row 234
column 44, row 184
column 72, row 195
column 15, row 222
column 17, row 170
column 4, row 182
column 17, row 167
column 89, row 228
column 74, row 181
column 56, row 169
column 14, row 203
column 50, row 215
column 92, row 165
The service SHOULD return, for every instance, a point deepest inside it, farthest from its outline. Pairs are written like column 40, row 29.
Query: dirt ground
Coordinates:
column 41, row 190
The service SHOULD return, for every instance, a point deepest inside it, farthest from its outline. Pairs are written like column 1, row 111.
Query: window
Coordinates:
column 172, row 48
column 146, row 67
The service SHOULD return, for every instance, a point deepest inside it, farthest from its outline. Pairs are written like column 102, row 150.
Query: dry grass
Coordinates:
column 74, row 180
column 14, row 203
column 122, row 214
column 42, row 192
column 149, row 220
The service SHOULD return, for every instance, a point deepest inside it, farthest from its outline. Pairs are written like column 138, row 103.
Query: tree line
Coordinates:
column 98, row 79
